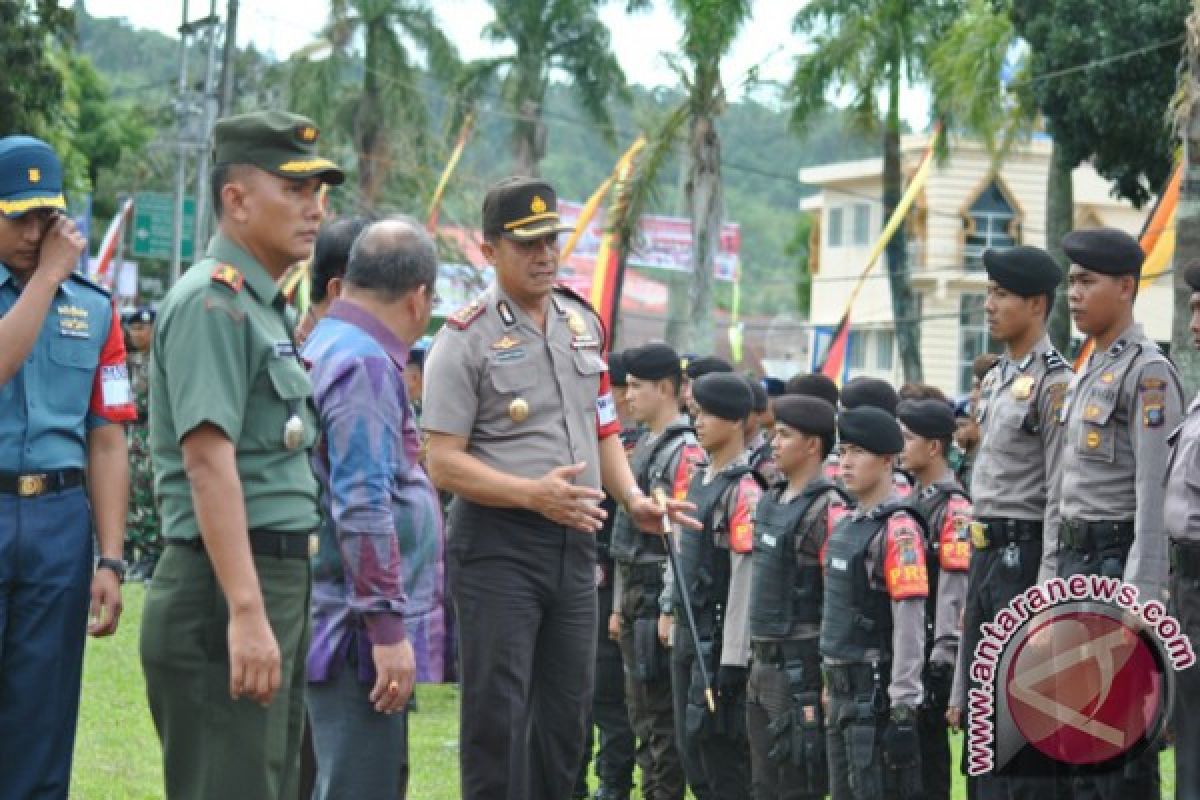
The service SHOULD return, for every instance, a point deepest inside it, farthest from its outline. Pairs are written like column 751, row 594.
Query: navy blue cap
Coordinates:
column 141, row 314
column 31, row 176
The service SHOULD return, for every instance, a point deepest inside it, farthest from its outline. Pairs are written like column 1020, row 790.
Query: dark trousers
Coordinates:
column 615, row 756
column 525, row 597
column 1185, row 600
column 214, row 746
column 852, row 741
column 991, row 584
column 769, row 699
column 1137, row 778
column 934, row 735
column 650, row 705
column 45, row 575
column 716, row 759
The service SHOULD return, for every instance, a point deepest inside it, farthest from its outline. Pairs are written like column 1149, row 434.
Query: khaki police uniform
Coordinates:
column 527, row 401
column 224, row 355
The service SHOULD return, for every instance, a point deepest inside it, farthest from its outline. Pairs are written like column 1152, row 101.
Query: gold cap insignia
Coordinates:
column 538, row 205
column 35, row 175
column 308, row 134
column 518, row 410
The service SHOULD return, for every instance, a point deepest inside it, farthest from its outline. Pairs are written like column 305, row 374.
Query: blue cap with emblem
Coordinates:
column 31, row 176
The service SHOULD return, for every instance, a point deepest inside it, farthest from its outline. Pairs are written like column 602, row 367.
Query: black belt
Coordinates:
column 1093, row 537
column 641, row 574
column 280, row 544
column 1185, row 560
column 857, row 679
column 785, row 651
column 988, row 533
column 39, row 483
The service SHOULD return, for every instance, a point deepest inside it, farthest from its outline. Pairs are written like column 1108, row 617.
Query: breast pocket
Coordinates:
column 284, row 389
column 589, row 366
column 514, row 395
column 73, row 362
column 1098, row 431
column 1009, row 428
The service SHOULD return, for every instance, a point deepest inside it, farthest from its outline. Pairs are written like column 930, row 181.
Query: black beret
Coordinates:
column 807, row 414
column 617, row 368
column 1104, row 250
column 759, row 392
column 1026, row 271
column 814, row 385
column 1191, row 274
column 774, row 386
column 864, row 391
column 698, row 367
column 930, row 419
column 652, row 362
column 723, row 395
column 872, row 429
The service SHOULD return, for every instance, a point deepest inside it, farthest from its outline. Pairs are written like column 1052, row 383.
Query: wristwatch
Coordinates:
column 117, row 565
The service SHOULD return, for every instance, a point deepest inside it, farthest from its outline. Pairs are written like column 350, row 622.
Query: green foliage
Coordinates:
column 1112, row 114
column 32, row 89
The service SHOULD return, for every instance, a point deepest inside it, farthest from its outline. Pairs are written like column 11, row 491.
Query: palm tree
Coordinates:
column 563, row 35
column 709, row 28
column 871, row 48
column 388, row 99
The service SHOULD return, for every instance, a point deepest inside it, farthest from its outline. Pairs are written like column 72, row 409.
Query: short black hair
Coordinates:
column 392, row 257
column 218, row 177
column 332, row 251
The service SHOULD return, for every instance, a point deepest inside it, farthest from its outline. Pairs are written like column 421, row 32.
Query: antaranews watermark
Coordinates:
column 1077, row 668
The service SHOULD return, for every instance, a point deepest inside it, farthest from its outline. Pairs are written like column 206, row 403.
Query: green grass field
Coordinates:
column 117, row 754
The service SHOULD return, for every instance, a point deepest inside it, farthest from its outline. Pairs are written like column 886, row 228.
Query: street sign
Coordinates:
column 153, row 225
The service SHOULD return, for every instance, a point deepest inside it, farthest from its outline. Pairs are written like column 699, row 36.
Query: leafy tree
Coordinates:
column 564, row 35
column 871, row 48
column 32, row 88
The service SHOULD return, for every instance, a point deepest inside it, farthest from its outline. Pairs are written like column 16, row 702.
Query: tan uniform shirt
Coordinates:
column 527, row 401
column 1119, row 413
column 1182, row 508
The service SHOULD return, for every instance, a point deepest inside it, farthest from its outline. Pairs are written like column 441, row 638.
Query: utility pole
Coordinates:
column 228, row 59
column 182, row 110
column 209, row 117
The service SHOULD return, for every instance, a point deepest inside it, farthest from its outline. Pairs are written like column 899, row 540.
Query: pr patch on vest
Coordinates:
column 954, row 552
column 904, row 570
column 229, row 276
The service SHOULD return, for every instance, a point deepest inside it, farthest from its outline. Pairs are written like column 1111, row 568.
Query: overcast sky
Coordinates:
column 283, row 26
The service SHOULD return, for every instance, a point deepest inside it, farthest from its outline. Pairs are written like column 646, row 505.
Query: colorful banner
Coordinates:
column 435, row 204
column 833, row 366
column 103, row 272
column 606, row 278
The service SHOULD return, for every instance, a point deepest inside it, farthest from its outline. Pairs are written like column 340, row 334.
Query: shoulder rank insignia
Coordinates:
column 460, row 320
column 80, row 279
column 1054, row 360
column 228, row 275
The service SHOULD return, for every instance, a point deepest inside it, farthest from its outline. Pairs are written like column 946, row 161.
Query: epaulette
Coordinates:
column 228, row 275
column 460, row 320
column 78, row 278
column 1054, row 360
column 563, row 289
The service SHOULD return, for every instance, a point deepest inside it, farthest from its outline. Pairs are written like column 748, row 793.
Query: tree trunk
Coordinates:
column 370, row 141
column 704, row 206
column 1187, row 231
column 529, row 139
column 1060, row 219
column 904, row 306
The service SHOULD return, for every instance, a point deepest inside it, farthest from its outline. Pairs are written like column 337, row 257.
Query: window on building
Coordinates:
column 973, row 339
column 990, row 224
column 885, row 342
column 862, row 224
column 857, row 344
column 835, row 227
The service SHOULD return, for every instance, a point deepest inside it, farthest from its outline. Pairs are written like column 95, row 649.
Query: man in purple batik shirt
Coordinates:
column 378, row 575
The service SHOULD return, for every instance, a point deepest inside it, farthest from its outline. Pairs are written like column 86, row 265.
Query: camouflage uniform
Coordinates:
column 143, row 538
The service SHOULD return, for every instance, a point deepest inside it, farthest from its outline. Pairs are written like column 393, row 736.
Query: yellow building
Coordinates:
column 963, row 210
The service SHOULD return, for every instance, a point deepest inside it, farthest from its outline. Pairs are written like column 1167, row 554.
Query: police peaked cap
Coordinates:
column 699, row 367
column 653, row 362
column 807, row 414
column 872, row 429
column 617, row 369
column 1104, row 250
column 864, row 391
column 929, row 418
column 1025, row 271
column 723, row 395
column 143, row 314
column 814, row 385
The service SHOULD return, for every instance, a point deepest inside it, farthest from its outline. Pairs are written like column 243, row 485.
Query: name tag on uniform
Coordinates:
column 114, row 386
column 768, row 540
column 284, row 349
column 606, row 409
column 838, row 563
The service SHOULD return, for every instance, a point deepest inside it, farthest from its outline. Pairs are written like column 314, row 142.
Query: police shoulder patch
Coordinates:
column 229, row 276
column 461, row 320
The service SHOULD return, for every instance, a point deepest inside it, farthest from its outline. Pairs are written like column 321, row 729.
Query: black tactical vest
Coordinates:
column 931, row 503
column 857, row 616
column 649, row 466
column 787, row 587
column 705, row 571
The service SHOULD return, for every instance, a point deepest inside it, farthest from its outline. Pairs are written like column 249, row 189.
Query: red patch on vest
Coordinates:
column 954, row 545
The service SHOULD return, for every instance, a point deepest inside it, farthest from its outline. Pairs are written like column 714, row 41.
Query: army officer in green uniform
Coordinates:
column 225, row 628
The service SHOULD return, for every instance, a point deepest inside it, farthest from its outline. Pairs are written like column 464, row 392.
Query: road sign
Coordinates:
column 153, row 225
